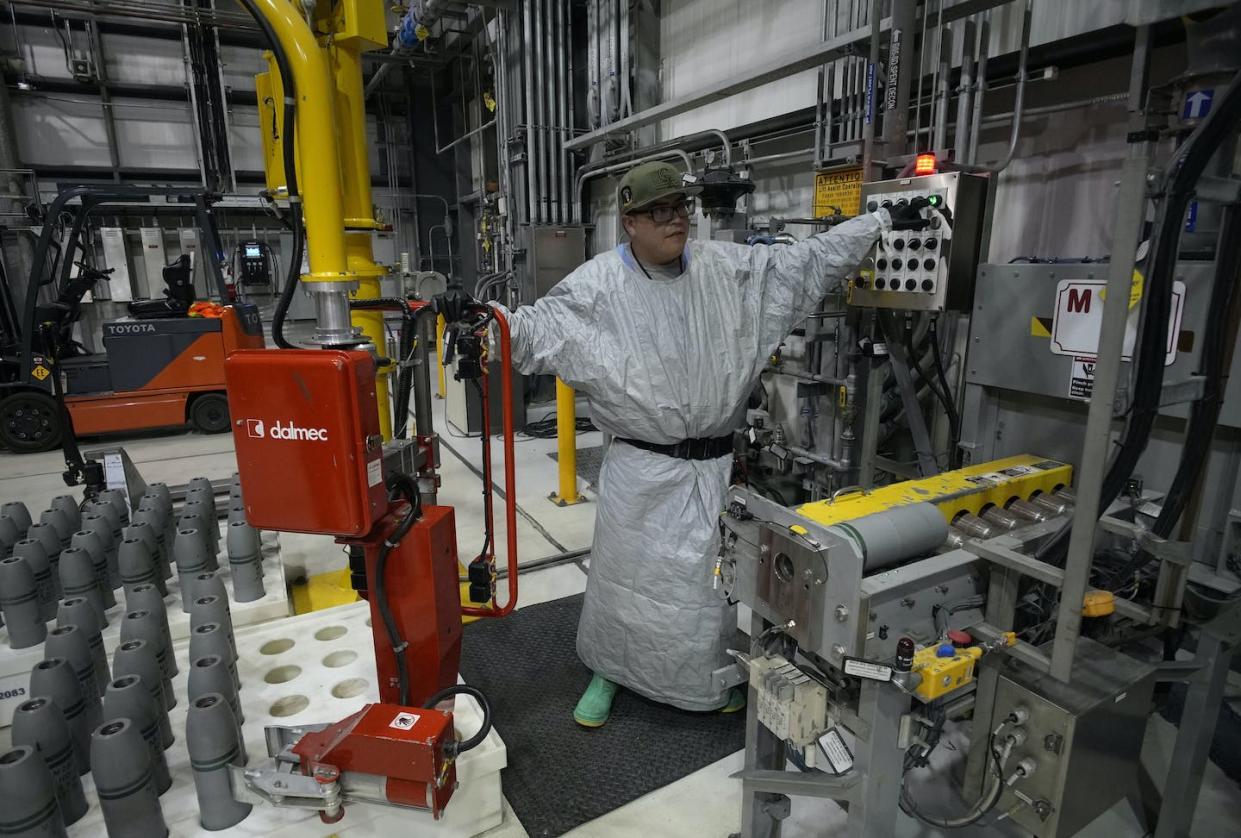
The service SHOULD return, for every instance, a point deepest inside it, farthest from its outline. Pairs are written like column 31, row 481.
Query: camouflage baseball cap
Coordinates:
column 647, row 183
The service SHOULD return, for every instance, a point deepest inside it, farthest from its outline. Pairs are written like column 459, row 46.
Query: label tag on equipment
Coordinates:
column 1081, row 379
column 374, row 472
column 871, row 670
column 839, row 758
column 1078, row 318
column 404, row 721
column 838, row 189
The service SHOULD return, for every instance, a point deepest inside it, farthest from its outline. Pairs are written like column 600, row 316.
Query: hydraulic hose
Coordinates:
column 1186, row 168
column 397, row 484
column 288, row 151
column 484, row 705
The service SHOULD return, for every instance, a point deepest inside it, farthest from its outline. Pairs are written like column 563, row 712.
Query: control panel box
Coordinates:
column 1083, row 739
column 306, row 430
column 931, row 269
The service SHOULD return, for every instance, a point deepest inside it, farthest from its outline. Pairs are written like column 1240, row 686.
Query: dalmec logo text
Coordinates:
column 258, row 429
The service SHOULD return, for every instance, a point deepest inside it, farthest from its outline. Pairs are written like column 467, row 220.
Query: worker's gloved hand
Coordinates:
column 453, row 303
column 909, row 216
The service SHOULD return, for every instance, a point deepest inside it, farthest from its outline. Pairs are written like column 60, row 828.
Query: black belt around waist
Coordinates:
column 707, row 448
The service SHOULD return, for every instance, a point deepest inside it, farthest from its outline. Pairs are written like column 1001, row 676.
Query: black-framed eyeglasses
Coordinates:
column 664, row 214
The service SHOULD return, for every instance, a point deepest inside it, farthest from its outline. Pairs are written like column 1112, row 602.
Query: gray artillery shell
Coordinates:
column 209, row 674
column 60, row 522
column 214, row 609
column 54, row 678
column 124, row 780
column 49, row 540
column 212, row 742
column 245, row 559
column 206, row 513
column 191, row 554
column 138, row 566
column 68, row 643
column 119, row 502
column 77, row 579
column 89, row 541
column 127, row 698
column 76, row 611
column 68, row 504
column 207, row 583
column 146, row 597
column 143, row 625
column 36, row 559
column 196, row 522
column 28, row 806
column 40, row 724
column 159, row 525
column 138, row 658
column 9, row 535
column 162, row 490
column 236, row 512
column 19, row 599
column 102, row 528
column 150, row 535
column 17, row 512
column 198, row 485
column 211, row 639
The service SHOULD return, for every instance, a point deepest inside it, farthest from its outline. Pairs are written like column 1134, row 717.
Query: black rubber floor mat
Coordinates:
column 560, row 775
column 589, row 461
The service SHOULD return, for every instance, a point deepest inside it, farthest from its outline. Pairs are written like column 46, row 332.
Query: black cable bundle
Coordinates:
column 1187, row 167
column 398, row 485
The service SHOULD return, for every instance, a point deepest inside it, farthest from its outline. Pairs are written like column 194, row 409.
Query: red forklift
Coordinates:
column 161, row 367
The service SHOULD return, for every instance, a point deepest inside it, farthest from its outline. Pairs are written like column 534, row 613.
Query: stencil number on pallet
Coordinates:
column 404, row 721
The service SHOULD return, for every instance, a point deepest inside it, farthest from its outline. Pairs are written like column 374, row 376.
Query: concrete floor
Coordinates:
column 706, row 803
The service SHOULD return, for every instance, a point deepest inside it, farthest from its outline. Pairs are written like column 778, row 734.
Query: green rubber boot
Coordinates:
column 736, row 701
column 595, row 705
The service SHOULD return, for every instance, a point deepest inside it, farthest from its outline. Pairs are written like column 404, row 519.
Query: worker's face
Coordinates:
column 658, row 233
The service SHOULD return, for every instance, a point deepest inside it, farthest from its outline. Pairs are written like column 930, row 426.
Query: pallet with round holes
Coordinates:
column 15, row 664
column 308, row 669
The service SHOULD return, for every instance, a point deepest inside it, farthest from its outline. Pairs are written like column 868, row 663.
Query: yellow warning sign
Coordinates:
column 838, row 189
column 40, row 372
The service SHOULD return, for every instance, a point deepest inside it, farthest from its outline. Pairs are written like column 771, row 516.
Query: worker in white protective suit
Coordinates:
column 666, row 338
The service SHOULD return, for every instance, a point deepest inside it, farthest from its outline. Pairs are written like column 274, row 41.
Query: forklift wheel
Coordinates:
column 209, row 413
column 30, row 421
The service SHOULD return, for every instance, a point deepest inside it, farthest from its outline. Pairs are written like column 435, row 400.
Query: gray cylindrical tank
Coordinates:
column 125, row 781
column 895, row 535
column 28, row 804
column 40, row 724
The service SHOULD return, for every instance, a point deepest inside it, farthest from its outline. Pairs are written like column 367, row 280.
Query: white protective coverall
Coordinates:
column 663, row 360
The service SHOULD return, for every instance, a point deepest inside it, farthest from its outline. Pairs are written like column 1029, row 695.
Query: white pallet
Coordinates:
column 333, row 650
column 15, row 664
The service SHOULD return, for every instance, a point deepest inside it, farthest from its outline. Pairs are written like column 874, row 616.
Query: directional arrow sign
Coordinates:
column 1198, row 104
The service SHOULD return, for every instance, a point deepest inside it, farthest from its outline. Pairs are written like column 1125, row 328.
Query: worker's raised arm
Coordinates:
column 556, row 335
column 788, row 281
